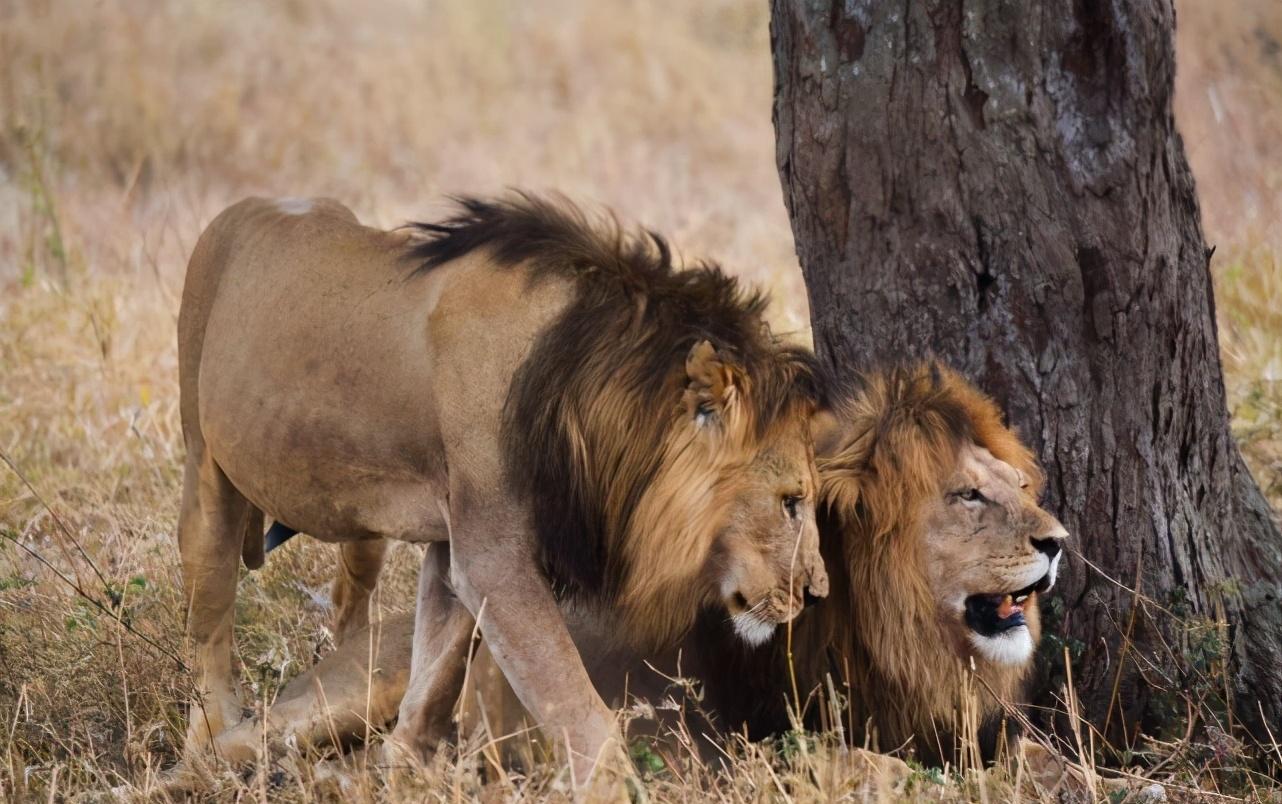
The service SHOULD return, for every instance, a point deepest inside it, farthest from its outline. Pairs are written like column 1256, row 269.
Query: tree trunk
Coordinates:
column 1000, row 183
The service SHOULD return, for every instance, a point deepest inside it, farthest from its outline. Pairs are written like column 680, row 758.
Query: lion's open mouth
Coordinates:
column 993, row 614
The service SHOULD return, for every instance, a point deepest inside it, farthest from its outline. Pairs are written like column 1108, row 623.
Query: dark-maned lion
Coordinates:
column 547, row 403
column 937, row 552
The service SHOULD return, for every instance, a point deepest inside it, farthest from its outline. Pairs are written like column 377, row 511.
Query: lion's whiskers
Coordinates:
column 751, row 611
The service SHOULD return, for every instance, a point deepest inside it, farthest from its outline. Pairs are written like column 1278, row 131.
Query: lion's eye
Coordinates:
column 970, row 495
column 703, row 413
column 790, row 503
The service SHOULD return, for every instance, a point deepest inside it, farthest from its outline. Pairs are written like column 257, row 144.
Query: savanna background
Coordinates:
column 126, row 125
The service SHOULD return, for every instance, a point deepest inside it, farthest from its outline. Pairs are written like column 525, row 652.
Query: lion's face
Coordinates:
column 731, row 509
column 766, row 560
column 988, row 550
column 930, row 506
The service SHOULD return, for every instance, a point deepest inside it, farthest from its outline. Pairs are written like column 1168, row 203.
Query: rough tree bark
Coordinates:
column 1000, row 183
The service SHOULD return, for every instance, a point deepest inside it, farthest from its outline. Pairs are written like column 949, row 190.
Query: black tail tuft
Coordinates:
column 278, row 534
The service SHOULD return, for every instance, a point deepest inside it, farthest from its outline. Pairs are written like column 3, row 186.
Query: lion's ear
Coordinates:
column 839, row 491
column 844, row 461
column 713, row 386
column 825, row 432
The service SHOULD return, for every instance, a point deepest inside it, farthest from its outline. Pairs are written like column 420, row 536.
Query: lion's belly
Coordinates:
column 328, row 496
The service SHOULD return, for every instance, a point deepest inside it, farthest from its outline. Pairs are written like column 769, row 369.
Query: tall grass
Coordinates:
column 126, row 125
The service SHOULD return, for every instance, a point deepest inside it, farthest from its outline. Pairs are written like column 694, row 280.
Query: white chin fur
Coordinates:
column 1011, row 647
column 752, row 630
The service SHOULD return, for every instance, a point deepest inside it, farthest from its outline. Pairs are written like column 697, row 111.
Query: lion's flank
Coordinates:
column 590, row 411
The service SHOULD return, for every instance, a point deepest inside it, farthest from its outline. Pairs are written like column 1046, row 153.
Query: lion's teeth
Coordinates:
column 1006, row 607
column 1021, row 598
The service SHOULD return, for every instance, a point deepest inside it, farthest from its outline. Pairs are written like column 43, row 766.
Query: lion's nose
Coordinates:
column 1050, row 543
column 816, row 586
column 1048, row 546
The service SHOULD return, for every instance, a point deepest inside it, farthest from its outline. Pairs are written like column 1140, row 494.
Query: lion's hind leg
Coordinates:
column 211, row 531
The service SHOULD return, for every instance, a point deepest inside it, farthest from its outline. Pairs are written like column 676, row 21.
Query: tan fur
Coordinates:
column 326, row 387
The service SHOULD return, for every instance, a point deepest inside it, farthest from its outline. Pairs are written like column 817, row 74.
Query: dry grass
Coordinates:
column 127, row 125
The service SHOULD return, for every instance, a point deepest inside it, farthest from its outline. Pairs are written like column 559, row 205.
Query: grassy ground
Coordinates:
column 125, row 126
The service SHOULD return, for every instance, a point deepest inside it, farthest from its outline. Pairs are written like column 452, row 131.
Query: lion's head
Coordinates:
column 660, row 430
column 737, row 484
column 933, row 503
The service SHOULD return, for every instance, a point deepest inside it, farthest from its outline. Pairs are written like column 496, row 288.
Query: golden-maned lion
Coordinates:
column 937, row 552
column 548, row 404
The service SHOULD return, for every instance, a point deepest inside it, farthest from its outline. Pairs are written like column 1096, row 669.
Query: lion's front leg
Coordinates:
column 442, row 630
column 494, row 573
column 354, row 690
column 360, row 564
